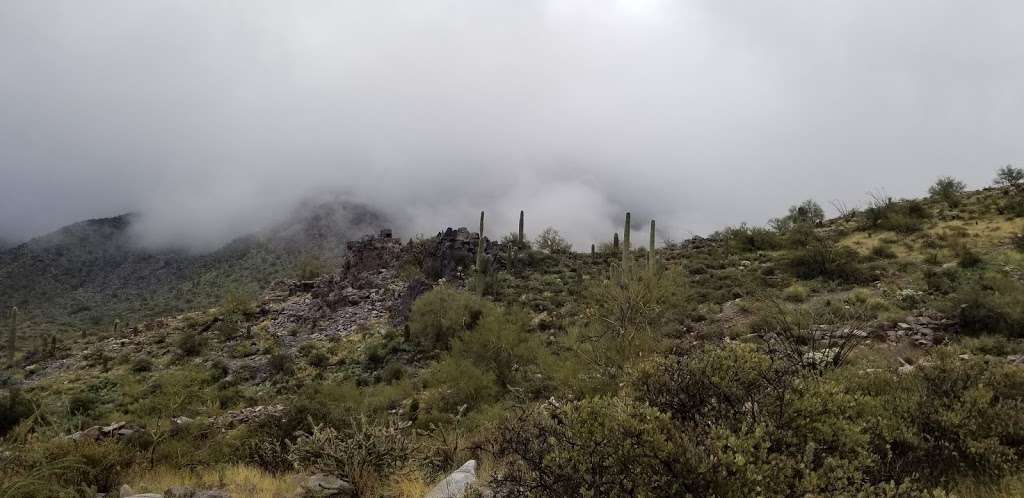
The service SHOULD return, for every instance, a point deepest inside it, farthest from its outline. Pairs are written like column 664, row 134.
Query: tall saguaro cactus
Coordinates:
column 626, row 255
column 12, row 336
column 650, row 250
column 521, row 237
column 480, row 246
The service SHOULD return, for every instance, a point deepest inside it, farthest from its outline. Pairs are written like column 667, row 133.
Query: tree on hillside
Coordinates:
column 948, row 189
column 1011, row 177
column 808, row 212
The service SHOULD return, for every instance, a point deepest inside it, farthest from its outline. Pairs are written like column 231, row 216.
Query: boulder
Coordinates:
column 180, row 492
column 326, row 486
column 212, row 493
column 456, row 484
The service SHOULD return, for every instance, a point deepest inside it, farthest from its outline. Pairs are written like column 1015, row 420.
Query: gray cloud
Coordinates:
column 213, row 118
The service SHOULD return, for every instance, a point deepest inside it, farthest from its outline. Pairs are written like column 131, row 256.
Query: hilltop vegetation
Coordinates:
column 879, row 353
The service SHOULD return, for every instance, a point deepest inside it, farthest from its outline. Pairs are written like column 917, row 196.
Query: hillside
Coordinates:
column 879, row 353
column 89, row 274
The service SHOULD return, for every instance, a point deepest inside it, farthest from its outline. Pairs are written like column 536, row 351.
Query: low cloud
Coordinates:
column 216, row 119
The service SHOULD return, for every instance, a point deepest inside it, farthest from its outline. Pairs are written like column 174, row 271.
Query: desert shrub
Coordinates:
column 993, row 304
column 443, row 313
column 966, row 256
column 712, row 386
column 608, row 447
column 141, row 364
column 1017, row 241
column 239, row 301
column 309, row 267
column 902, row 217
column 970, row 413
column 627, row 314
column 745, row 238
column 808, row 212
column 822, row 258
column 14, row 407
column 502, row 345
column 552, row 242
column 883, row 251
column 366, row 452
column 948, row 190
column 457, row 383
column 796, row 293
column 941, row 281
column 190, row 343
column 86, row 468
column 280, row 363
column 1010, row 177
column 317, row 358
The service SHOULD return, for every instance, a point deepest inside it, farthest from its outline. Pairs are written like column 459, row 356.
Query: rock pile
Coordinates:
column 924, row 330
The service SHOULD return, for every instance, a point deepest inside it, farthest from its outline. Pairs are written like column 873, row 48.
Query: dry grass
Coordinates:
column 409, row 485
column 239, row 480
column 1007, row 488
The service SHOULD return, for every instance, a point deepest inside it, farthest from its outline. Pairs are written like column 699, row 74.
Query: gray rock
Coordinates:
column 125, row 491
column 326, row 486
column 212, row 493
column 180, row 492
column 456, row 484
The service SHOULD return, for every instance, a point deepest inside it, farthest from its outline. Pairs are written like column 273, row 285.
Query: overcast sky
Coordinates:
column 211, row 118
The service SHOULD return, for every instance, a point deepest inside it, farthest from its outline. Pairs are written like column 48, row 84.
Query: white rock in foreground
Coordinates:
column 455, row 485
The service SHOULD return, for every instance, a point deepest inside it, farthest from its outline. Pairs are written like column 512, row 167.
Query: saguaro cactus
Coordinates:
column 593, row 251
column 12, row 336
column 480, row 246
column 615, row 242
column 626, row 255
column 521, row 237
column 650, row 250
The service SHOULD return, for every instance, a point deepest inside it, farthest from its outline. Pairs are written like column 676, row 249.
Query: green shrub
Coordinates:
column 1017, row 241
column 607, row 447
column 442, row 314
column 280, row 363
column 552, row 242
column 141, row 364
column 807, row 213
column 458, row 384
column 903, row 217
column 948, row 190
column 745, row 238
column 992, row 305
column 941, row 281
column 14, row 407
column 822, row 258
column 500, row 344
column 712, row 386
column 967, row 257
column 362, row 454
column 190, row 343
column 883, row 251
column 239, row 301
column 796, row 293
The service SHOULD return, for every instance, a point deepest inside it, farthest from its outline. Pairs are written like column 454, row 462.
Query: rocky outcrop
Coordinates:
column 924, row 330
column 117, row 430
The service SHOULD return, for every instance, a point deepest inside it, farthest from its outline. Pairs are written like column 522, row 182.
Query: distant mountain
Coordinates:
column 90, row 273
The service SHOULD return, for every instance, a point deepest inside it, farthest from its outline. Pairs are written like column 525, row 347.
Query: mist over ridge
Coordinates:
column 217, row 120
